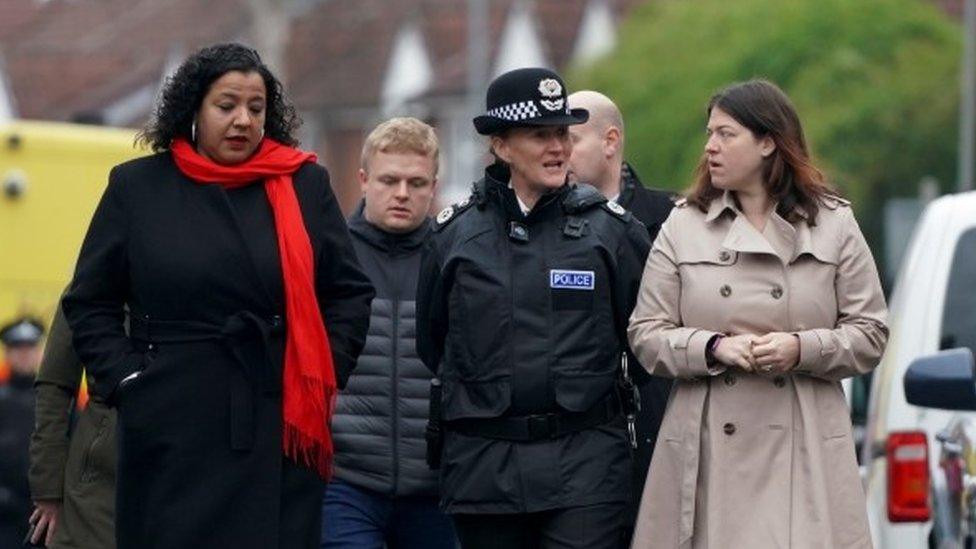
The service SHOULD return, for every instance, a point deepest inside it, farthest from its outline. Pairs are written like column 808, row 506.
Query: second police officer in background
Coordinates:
column 21, row 341
column 523, row 300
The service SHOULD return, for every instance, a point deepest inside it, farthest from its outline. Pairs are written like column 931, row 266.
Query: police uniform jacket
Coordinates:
column 526, row 314
column 752, row 459
column 198, row 266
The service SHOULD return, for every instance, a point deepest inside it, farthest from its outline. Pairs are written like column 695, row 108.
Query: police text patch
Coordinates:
column 572, row 280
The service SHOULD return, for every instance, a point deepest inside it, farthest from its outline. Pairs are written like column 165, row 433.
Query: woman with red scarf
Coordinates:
column 247, row 310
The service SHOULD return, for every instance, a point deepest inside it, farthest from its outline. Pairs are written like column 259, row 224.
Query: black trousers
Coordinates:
column 600, row 526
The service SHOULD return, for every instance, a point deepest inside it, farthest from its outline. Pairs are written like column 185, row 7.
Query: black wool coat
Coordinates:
column 197, row 266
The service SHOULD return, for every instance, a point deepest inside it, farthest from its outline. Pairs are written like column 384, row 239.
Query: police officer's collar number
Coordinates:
column 572, row 280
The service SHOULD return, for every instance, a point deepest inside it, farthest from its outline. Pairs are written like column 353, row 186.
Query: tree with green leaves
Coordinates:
column 875, row 83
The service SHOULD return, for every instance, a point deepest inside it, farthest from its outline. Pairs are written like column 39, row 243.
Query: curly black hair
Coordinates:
column 184, row 92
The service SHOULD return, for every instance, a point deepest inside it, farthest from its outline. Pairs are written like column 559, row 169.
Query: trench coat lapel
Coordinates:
column 804, row 242
column 780, row 237
column 742, row 236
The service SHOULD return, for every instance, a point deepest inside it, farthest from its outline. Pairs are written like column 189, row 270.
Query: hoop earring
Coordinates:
column 193, row 131
column 262, row 133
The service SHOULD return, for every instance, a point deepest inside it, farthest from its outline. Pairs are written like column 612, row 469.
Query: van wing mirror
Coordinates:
column 945, row 380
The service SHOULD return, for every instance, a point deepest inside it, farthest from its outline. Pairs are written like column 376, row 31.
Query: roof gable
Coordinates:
column 520, row 44
column 409, row 73
column 597, row 34
column 7, row 108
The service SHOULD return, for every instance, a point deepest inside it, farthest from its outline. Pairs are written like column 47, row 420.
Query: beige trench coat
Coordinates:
column 748, row 461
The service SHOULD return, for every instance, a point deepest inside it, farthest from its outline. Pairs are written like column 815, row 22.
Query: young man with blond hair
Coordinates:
column 383, row 493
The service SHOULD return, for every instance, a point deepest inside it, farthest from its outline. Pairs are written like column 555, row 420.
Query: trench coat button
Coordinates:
column 729, row 428
column 779, row 381
column 777, row 291
column 729, row 380
column 724, row 255
column 725, row 290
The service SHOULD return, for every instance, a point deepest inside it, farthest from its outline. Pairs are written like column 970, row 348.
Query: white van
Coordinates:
column 933, row 308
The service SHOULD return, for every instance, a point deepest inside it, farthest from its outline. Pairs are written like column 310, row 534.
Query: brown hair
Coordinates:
column 401, row 135
column 789, row 175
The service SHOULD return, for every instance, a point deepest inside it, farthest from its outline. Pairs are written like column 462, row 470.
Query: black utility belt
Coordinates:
column 538, row 426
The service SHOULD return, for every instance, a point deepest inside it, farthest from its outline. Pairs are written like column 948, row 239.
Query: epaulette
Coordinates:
column 582, row 197
column 832, row 202
column 451, row 212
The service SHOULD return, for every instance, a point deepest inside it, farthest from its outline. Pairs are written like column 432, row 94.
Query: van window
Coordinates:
column 959, row 316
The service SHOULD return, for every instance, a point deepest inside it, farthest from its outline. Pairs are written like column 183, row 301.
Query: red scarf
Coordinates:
column 309, row 373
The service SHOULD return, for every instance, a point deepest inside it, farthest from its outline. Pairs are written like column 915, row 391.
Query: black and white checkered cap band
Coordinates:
column 523, row 110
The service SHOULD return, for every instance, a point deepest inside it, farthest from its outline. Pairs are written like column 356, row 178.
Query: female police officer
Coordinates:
column 523, row 300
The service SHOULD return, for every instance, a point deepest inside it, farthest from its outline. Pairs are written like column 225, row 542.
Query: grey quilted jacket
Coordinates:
column 380, row 417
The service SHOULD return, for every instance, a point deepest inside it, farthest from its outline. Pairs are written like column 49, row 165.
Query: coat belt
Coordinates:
column 691, row 447
column 257, row 345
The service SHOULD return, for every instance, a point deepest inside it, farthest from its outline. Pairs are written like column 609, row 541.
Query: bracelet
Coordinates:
column 713, row 342
column 711, row 346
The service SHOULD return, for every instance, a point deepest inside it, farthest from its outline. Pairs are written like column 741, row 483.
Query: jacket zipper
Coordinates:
column 396, row 395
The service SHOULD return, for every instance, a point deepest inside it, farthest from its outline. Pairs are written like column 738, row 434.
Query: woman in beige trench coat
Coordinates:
column 759, row 296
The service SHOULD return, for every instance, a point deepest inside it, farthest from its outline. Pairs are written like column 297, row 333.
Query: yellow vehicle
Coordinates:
column 51, row 178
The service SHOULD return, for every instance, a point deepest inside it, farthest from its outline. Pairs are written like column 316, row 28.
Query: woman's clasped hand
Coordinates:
column 775, row 352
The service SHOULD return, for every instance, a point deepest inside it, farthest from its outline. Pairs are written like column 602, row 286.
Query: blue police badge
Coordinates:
column 572, row 280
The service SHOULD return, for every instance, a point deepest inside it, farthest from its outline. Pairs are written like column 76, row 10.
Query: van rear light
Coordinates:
column 908, row 477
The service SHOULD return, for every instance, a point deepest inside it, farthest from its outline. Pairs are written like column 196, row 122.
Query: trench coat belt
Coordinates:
column 256, row 344
column 691, row 456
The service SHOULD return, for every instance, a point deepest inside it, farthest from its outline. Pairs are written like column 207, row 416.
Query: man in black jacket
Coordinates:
column 383, row 492
column 598, row 151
